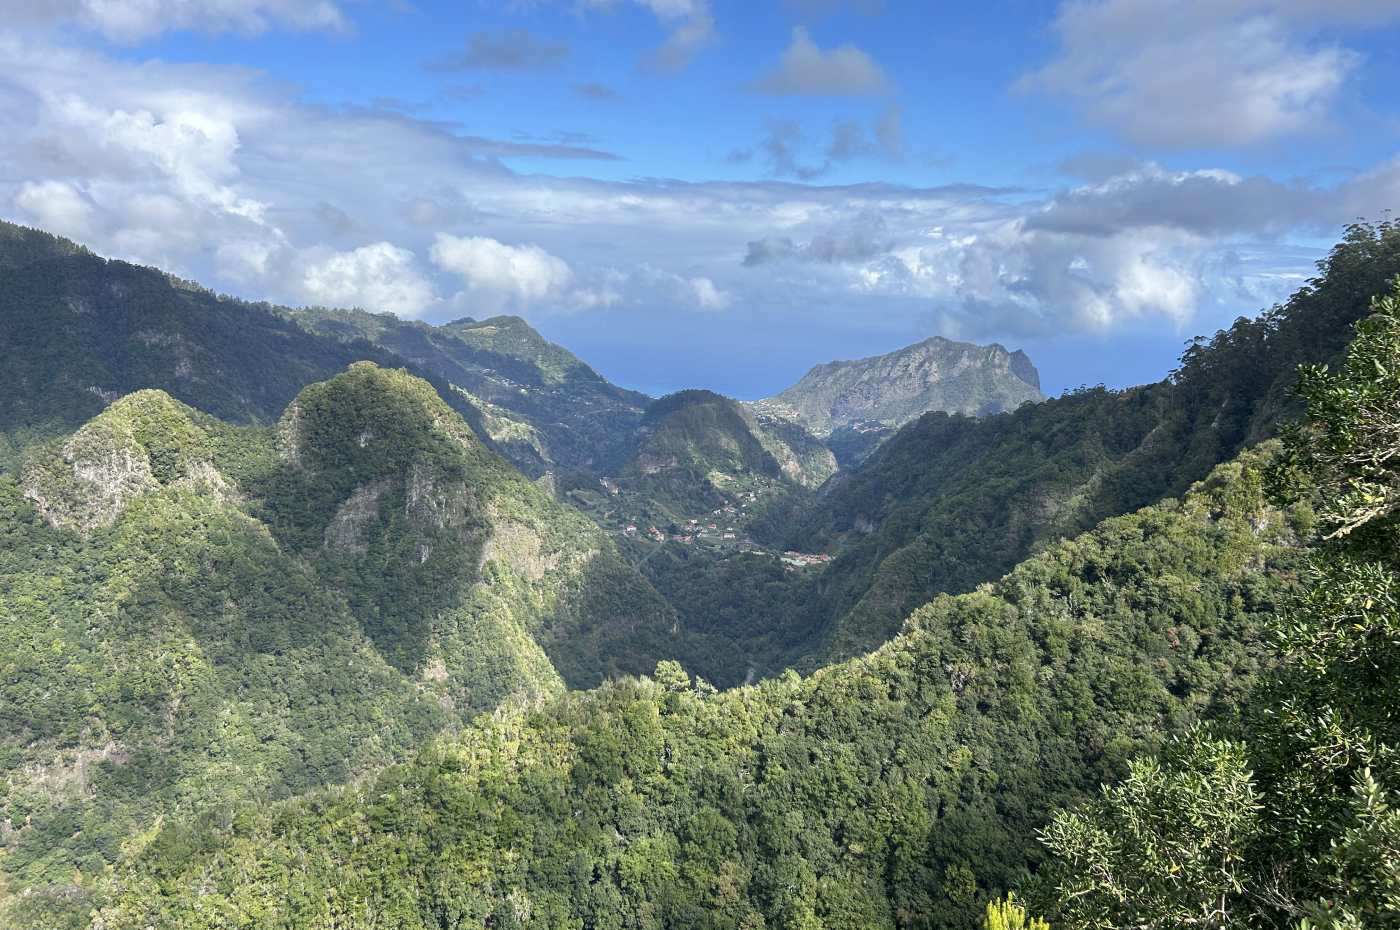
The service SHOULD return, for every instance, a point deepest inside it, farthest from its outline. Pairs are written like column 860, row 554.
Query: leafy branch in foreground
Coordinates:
column 1295, row 822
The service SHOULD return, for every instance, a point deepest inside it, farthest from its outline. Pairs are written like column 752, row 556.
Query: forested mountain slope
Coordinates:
column 951, row 502
column 543, row 407
column 1290, row 816
column 696, row 448
column 892, row 790
column 80, row 330
column 195, row 612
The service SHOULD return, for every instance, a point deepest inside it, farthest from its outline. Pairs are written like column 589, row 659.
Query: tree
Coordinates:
column 1006, row 914
column 1299, row 821
column 1165, row 848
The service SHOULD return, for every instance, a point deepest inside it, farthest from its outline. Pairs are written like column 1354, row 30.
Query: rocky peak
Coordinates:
column 140, row 444
column 895, row 388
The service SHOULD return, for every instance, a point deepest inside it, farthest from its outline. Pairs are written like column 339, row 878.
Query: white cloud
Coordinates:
column 56, row 206
column 806, row 69
column 1224, row 73
column 133, row 20
column 507, row 274
column 708, row 296
column 376, row 277
column 206, row 171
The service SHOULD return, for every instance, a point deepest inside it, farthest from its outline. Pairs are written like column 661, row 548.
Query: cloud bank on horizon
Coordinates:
column 699, row 175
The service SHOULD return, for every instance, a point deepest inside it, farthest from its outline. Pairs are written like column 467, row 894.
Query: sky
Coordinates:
column 720, row 193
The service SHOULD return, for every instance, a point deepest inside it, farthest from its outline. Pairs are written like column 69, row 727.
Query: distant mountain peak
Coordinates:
column 897, row 387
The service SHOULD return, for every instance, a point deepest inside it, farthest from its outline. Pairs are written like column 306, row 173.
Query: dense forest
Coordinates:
column 1244, row 634
column 1285, row 816
column 896, row 789
column 951, row 502
column 196, row 612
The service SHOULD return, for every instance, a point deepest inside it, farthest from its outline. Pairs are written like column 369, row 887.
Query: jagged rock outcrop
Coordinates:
column 143, row 442
column 891, row 390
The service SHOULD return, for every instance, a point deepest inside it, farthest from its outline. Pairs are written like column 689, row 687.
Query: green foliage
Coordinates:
column 1353, row 435
column 951, row 502
column 197, row 614
column 1164, row 848
column 1006, row 914
column 203, row 623
column 893, row 790
column 687, row 440
column 730, row 606
column 1295, row 820
column 576, row 420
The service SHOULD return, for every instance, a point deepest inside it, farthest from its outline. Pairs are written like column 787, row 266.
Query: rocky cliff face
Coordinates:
column 142, row 443
column 891, row 390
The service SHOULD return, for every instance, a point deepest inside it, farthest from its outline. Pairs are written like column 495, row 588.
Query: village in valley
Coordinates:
column 723, row 529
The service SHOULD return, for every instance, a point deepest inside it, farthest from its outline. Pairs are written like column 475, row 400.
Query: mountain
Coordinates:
column 951, row 502
column 542, row 407
column 692, row 447
column 197, row 612
column 205, row 622
column 888, row 391
column 913, row 785
column 82, row 330
column 899, row 789
column 694, row 454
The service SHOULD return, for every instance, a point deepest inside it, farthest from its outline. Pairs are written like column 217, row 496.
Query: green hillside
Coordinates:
column 950, row 502
column 692, row 445
column 85, row 330
column 897, row 789
column 82, row 331
column 197, row 613
column 208, row 626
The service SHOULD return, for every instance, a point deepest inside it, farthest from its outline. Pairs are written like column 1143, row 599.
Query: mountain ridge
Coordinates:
column 894, row 388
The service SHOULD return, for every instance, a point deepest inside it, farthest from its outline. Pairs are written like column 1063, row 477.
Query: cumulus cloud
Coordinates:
column 511, row 50
column 1008, row 277
column 1229, row 73
column 1205, row 202
column 807, row 70
column 504, row 274
column 379, row 277
column 56, row 206
column 708, row 296
column 864, row 237
column 134, row 20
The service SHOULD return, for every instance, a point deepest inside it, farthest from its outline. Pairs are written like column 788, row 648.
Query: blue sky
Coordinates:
column 713, row 193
